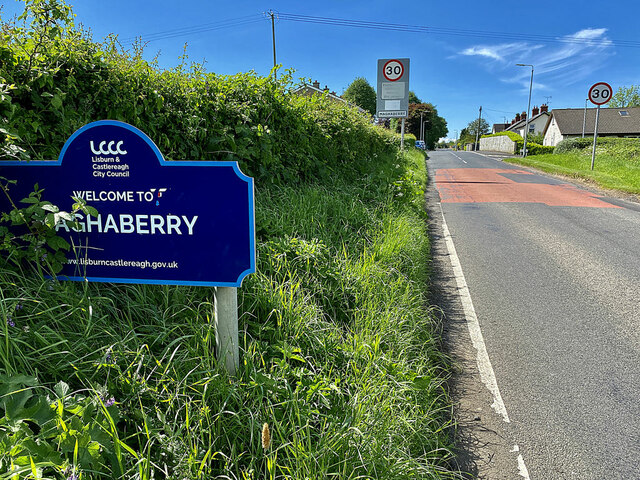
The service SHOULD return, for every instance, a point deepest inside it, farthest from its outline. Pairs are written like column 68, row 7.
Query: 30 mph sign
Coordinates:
column 393, row 70
column 600, row 93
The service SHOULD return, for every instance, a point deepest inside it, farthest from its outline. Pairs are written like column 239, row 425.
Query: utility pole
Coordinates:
column 273, row 36
column 584, row 117
column 478, row 130
column 421, row 125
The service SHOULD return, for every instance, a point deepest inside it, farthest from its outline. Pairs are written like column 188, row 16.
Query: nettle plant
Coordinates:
column 55, row 433
column 28, row 234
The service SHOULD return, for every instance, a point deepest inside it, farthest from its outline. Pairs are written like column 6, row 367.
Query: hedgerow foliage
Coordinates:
column 54, row 79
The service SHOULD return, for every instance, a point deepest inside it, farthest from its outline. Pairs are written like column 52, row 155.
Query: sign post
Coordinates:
column 159, row 222
column 599, row 94
column 393, row 90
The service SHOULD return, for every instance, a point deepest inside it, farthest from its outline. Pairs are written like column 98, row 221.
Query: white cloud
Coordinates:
column 570, row 60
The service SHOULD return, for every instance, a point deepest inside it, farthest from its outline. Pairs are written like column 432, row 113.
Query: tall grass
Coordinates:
column 339, row 354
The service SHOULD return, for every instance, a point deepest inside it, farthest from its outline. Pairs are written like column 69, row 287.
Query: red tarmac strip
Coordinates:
column 484, row 185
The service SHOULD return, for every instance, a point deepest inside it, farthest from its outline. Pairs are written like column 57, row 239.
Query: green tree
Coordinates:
column 362, row 94
column 626, row 97
column 413, row 98
column 435, row 127
column 478, row 123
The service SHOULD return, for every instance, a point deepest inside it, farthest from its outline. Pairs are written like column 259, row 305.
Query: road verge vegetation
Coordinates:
column 617, row 162
column 341, row 373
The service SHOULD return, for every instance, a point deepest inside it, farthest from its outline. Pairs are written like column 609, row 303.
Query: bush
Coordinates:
column 570, row 144
column 48, row 90
column 535, row 149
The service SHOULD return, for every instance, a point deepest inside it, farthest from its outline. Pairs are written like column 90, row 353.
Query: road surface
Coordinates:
column 553, row 276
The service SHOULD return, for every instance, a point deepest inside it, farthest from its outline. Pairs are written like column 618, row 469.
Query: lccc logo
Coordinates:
column 109, row 150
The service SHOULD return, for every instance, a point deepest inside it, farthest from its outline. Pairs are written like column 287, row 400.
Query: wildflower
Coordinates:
column 19, row 306
column 266, row 436
column 26, row 328
column 43, row 257
column 10, row 322
column 111, row 401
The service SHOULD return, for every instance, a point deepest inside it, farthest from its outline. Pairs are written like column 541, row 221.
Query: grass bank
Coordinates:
column 617, row 164
column 339, row 355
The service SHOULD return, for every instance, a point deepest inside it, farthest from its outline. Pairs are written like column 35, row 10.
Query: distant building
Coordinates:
column 314, row 89
column 613, row 122
column 536, row 123
column 499, row 127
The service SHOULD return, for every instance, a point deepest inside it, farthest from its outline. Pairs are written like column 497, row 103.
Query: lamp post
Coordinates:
column 526, row 124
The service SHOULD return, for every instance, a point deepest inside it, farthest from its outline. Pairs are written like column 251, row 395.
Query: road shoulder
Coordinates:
column 485, row 448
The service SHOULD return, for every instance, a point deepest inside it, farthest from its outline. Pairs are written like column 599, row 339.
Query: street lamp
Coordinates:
column 526, row 124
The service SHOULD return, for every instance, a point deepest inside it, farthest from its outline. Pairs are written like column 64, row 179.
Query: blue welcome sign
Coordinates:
column 161, row 222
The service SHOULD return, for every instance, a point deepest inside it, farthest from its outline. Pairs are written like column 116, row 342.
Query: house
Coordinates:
column 310, row 90
column 613, row 122
column 536, row 123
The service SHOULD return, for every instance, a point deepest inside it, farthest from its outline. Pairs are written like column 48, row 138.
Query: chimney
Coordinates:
column 517, row 117
column 326, row 89
column 513, row 121
column 535, row 111
column 523, row 116
column 316, row 84
column 544, row 108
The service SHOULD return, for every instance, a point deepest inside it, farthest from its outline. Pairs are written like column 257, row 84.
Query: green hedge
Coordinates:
column 535, row 149
column 628, row 148
column 48, row 91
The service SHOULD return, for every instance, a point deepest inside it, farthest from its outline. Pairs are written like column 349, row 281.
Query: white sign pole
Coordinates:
column 595, row 137
column 226, row 323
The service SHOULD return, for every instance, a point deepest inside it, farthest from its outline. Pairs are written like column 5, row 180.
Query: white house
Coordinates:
column 536, row 123
column 613, row 122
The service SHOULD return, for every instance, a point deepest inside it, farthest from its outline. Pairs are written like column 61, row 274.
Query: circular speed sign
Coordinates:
column 600, row 93
column 393, row 70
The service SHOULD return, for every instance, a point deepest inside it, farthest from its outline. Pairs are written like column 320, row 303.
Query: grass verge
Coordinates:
column 612, row 169
column 340, row 355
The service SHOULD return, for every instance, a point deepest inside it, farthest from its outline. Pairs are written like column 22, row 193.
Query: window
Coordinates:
column 623, row 113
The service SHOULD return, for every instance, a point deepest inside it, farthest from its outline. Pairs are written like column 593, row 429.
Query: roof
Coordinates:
column 311, row 90
column 522, row 123
column 569, row 121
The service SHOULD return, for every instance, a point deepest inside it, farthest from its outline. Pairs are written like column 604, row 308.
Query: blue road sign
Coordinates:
column 160, row 222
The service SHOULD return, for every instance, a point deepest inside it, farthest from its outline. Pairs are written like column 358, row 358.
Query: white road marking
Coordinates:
column 487, row 375
column 457, row 157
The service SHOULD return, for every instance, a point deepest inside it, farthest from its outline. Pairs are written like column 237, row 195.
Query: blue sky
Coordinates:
column 455, row 69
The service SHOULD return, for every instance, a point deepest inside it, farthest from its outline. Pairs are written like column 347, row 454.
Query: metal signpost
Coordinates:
column 393, row 90
column 159, row 222
column 599, row 94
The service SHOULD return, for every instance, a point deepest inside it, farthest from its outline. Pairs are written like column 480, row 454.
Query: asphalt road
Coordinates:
column 553, row 272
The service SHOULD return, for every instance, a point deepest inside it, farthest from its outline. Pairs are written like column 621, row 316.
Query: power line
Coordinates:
column 453, row 31
column 185, row 31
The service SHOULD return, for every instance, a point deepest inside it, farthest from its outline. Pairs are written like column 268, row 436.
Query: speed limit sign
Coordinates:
column 393, row 70
column 600, row 93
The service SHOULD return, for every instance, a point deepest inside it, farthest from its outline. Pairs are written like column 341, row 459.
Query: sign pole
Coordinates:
column 226, row 323
column 599, row 94
column 402, row 135
column 595, row 137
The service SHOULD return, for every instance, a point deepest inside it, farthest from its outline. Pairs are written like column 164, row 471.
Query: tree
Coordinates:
column 626, row 97
column 413, row 98
column 435, row 127
column 472, row 128
column 362, row 94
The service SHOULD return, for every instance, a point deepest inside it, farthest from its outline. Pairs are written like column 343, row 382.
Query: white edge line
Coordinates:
column 487, row 375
